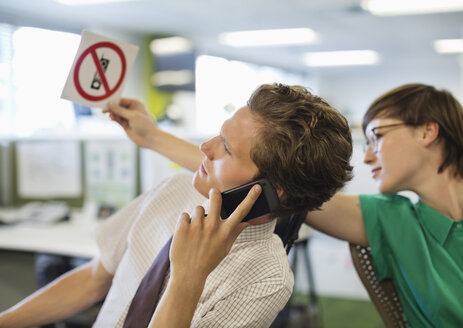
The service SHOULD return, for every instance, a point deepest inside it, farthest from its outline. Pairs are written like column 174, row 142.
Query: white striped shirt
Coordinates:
column 248, row 288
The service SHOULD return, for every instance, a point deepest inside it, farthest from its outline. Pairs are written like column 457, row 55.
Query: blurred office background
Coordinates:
column 60, row 160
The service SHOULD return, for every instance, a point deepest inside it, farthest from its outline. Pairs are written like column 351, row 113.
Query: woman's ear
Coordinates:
column 429, row 133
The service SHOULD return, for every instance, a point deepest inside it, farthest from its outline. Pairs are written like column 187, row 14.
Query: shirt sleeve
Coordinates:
column 256, row 306
column 372, row 206
column 112, row 235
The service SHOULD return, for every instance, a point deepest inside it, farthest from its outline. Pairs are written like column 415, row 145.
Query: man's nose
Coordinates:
column 207, row 147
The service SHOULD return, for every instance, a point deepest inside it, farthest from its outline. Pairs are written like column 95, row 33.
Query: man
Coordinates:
column 291, row 137
column 414, row 141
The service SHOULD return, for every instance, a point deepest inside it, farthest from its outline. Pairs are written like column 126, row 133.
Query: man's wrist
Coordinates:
column 186, row 292
column 191, row 284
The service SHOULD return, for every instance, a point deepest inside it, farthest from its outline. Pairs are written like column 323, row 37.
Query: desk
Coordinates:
column 75, row 237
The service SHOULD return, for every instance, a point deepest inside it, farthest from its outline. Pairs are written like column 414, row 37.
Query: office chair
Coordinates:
column 297, row 315
column 383, row 294
column 288, row 229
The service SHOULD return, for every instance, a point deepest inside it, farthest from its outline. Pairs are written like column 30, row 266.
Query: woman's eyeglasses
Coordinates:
column 373, row 141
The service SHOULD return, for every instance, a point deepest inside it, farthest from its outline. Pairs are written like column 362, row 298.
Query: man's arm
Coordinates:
column 197, row 248
column 340, row 217
column 62, row 298
column 141, row 127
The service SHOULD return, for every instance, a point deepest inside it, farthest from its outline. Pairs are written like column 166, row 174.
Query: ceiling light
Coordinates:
column 341, row 58
column 411, row 7
column 88, row 2
column 171, row 45
column 268, row 37
column 449, row 46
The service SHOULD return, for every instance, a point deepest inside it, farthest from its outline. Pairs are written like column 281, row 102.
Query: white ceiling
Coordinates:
column 342, row 25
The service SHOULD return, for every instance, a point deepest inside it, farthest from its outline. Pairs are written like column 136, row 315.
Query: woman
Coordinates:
column 414, row 141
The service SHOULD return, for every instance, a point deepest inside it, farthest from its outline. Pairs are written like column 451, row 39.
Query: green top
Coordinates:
column 421, row 250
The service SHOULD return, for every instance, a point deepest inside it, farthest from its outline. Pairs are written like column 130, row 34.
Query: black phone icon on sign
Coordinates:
column 96, row 82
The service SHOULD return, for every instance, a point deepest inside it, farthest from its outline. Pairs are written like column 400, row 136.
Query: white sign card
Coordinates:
column 99, row 71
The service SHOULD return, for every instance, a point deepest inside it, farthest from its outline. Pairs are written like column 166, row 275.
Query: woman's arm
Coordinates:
column 141, row 127
column 340, row 217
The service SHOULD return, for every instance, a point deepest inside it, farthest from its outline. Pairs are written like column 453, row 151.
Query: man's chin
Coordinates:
column 199, row 185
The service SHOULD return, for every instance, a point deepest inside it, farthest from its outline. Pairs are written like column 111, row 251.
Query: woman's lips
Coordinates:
column 375, row 172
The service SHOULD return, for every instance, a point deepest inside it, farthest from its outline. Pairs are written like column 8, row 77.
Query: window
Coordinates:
column 33, row 68
column 223, row 85
column 6, row 89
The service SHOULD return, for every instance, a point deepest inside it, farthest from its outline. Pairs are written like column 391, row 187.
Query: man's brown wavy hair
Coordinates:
column 304, row 145
column 416, row 104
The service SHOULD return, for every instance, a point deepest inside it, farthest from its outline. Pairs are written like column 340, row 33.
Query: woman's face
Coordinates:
column 397, row 160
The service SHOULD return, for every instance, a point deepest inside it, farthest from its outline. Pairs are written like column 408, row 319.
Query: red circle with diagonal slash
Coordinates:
column 92, row 51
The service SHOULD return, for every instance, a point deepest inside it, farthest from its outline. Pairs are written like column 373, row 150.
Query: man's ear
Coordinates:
column 429, row 133
column 280, row 192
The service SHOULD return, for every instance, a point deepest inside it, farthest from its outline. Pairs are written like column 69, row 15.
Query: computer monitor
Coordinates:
column 103, row 171
column 48, row 169
column 6, row 175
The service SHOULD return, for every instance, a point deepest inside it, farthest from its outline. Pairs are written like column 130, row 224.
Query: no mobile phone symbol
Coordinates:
column 99, row 76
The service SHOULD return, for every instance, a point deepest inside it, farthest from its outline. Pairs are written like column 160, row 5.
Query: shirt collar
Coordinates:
column 251, row 232
column 257, row 232
column 435, row 222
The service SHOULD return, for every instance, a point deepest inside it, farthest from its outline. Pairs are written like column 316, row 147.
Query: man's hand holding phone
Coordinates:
column 200, row 245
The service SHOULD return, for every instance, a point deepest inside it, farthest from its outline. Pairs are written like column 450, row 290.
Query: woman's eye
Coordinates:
column 378, row 136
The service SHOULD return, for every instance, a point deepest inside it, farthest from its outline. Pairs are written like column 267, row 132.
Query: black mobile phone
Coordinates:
column 266, row 203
